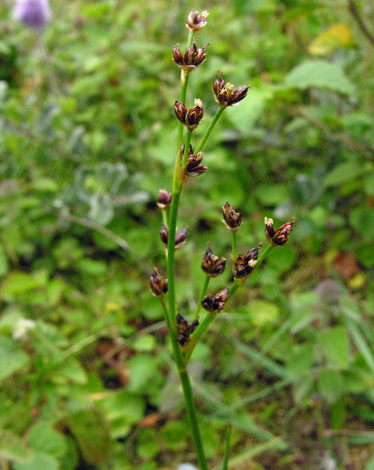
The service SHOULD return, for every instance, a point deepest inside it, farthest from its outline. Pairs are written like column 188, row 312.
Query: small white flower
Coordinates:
column 22, row 327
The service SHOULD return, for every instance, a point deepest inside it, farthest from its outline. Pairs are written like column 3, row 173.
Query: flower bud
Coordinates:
column 231, row 218
column 212, row 265
column 32, row 13
column 158, row 287
column 191, row 117
column 193, row 167
column 180, row 237
column 184, row 329
column 226, row 95
column 196, row 21
column 245, row 264
column 278, row 237
column 191, row 59
column 215, row 304
column 164, row 199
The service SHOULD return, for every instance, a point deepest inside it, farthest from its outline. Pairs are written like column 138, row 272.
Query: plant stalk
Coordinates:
column 210, row 128
column 202, row 295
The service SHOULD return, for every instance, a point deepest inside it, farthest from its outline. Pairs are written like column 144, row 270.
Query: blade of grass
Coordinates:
column 360, row 342
column 227, row 448
column 261, row 359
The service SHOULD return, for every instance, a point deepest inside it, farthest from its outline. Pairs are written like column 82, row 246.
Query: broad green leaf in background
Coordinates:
column 331, row 384
column 40, row 461
column 12, row 357
column 91, row 431
column 13, row 448
column 335, row 344
column 44, row 438
column 320, row 74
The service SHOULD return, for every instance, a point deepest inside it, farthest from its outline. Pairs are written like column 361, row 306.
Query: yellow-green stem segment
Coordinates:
column 202, row 295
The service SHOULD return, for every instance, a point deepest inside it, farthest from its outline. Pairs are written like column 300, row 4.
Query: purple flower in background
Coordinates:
column 33, row 13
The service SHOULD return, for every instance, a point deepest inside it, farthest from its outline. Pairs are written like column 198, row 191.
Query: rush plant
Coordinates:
column 185, row 334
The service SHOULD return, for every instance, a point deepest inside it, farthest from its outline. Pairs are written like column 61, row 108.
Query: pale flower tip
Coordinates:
column 268, row 221
column 252, row 263
column 198, row 102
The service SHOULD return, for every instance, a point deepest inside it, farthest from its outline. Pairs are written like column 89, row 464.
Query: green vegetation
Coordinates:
column 87, row 379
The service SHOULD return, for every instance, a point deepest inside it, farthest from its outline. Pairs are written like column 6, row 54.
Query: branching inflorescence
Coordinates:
column 185, row 335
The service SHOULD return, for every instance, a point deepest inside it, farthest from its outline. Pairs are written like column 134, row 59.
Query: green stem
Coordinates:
column 202, row 295
column 165, row 217
column 227, row 448
column 171, row 255
column 171, row 323
column 186, row 148
column 234, row 248
column 210, row 128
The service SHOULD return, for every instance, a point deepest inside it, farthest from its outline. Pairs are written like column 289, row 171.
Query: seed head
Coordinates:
column 158, row 287
column 191, row 117
column 212, row 265
column 32, row 13
column 226, row 95
column 180, row 237
column 164, row 199
column 278, row 237
column 196, row 21
column 215, row 304
column 245, row 264
column 231, row 218
column 191, row 59
column 184, row 329
column 193, row 167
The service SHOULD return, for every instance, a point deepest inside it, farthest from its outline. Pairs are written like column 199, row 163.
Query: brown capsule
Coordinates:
column 194, row 115
column 212, row 265
column 193, row 167
column 184, row 329
column 180, row 111
column 195, row 21
column 180, row 237
column 191, row 59
column 245, row 264
column 231, row 218
column 164, row 199
column 215, row 304
column 158, row 287
column 278, row 237
column 226, row 95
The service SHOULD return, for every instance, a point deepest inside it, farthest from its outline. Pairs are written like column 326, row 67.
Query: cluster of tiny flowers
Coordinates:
column 32, row 13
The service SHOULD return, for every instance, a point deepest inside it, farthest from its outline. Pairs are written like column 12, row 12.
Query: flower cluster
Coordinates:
column 184, row 329
column 215, row 304
column 212, row 265
column 32, row 13
column 191, row 59
column 280, row 236
column 226, row 95
column 180, row 237
column 189, row 117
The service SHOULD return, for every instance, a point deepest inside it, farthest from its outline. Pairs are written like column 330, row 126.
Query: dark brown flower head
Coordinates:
column 164, row 235
column 191, row 117
column 215, row 304
column 164, row 199
column 184, row 329
column 245, row 264
column 158, row 287
column 180, row 237
column 231, row 218
column 196, row 21
column 226, row 95
column 180, row 111
column 193, row 164
column 280, row 236
column 191, row 59
column 212, row 265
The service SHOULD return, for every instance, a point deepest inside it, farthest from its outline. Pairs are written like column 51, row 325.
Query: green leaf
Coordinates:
column 301, row 360
column 3, row 261
column 38, row 462
column 344, row 172
column 142, row 369
column 91, row 431
column 319, row 74
column 331, row 384
column 44, row 438
column 13, row 448
column 12, row 358
column 335, row 344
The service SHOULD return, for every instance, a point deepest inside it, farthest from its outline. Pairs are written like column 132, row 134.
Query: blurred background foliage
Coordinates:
column 86, row 376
